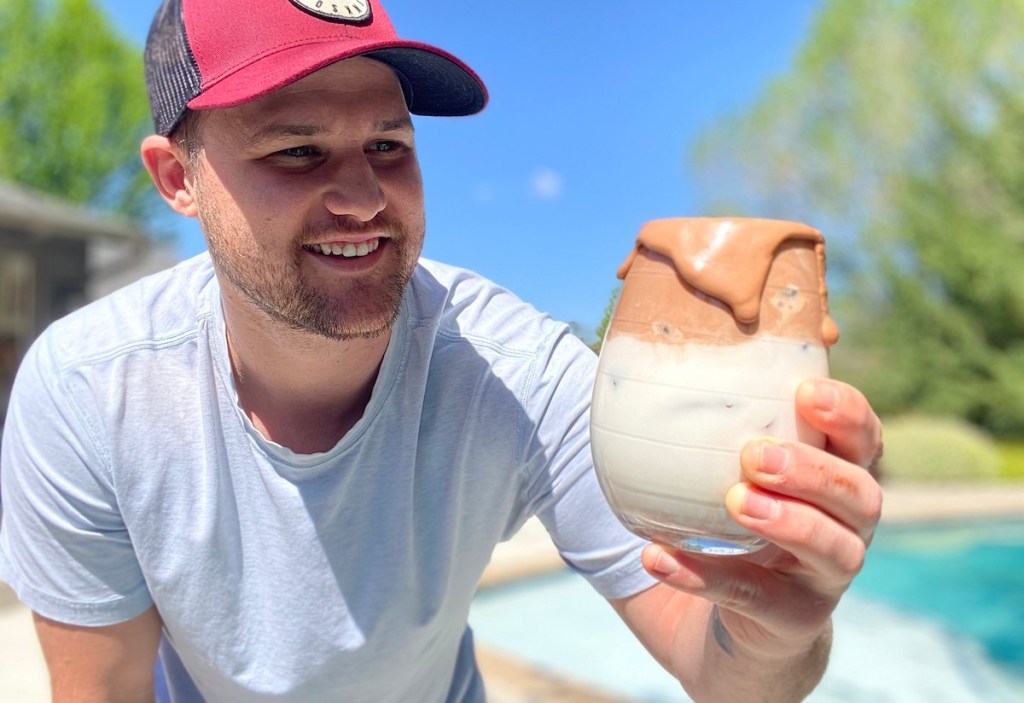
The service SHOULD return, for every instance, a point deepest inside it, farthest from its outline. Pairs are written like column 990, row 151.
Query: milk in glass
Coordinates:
column 718, row 321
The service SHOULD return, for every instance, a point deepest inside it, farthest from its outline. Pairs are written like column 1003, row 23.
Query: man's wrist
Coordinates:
column 776, row 671
column 772, row 649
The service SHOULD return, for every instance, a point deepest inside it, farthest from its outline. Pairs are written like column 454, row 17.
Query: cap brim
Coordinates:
column 440, row 84
column 436, row 82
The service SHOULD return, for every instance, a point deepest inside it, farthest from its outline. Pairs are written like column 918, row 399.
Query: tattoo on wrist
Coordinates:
column 722, row 635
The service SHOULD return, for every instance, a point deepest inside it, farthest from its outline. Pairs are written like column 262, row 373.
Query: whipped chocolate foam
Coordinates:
column 757, row 268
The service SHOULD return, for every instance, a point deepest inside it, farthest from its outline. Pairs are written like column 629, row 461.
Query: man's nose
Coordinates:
column 355, row 191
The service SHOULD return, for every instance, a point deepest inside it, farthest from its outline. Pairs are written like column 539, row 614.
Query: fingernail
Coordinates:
column 826, row 397
column 665, row 565
column 773, row 458
column 760, row 507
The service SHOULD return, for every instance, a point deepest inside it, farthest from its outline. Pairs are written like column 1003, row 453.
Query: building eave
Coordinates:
column 46, row 217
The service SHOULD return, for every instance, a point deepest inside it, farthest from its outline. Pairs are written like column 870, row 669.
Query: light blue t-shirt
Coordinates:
column 130, row 477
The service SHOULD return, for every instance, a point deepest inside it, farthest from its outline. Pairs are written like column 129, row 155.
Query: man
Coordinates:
column 279, row 469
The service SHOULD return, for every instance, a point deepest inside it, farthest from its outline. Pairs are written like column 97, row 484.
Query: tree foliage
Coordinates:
column 898, row 133
column 606, row 319
column 73, row 106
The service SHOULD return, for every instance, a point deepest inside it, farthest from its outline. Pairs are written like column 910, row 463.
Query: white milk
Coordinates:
column 668, row 422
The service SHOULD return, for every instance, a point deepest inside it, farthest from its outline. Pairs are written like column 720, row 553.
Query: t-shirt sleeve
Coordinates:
column 64, row 547
column 563, row 490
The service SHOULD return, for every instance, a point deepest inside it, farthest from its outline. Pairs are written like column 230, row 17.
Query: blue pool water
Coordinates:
column 967, row 575
column 936, row 616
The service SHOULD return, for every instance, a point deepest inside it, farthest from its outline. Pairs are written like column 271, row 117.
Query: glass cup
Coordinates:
column 717, row 323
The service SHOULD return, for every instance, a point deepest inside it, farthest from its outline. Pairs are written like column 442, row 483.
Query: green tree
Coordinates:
column 73, row 106
column 897, row 132
column 606, row 319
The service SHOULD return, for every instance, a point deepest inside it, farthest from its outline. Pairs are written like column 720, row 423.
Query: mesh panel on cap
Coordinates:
column 172, row 76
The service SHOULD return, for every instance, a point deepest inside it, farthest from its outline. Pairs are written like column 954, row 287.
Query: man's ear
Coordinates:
column 165, row 162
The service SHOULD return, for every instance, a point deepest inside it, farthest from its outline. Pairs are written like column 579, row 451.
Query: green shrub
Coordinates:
column 921, row 448
column 1013, row 460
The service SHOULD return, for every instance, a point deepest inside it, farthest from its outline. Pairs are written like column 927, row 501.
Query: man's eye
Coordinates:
column 298, row 152
column 385, row 146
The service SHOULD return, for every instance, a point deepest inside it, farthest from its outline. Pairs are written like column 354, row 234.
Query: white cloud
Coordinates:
column 547, row 184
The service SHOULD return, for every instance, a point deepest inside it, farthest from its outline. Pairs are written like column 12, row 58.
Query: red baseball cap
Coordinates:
column 204, row 54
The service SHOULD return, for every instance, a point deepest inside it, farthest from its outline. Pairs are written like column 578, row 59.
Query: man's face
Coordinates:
column 311, row 200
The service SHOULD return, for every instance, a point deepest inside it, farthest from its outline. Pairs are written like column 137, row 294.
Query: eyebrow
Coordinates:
column 280, row 130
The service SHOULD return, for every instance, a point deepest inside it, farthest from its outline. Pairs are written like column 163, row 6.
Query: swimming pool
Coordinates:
column 974, row 573
column 936, row 616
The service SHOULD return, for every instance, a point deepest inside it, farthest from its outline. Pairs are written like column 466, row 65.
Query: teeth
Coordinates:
column 347, row 250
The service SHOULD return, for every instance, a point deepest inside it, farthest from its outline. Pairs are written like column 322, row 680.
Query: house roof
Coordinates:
column 45, row 216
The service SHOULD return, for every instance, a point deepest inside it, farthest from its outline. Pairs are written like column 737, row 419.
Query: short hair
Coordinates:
column 188, row 133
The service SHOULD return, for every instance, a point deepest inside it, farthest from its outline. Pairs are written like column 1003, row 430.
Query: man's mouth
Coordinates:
column 347, row 250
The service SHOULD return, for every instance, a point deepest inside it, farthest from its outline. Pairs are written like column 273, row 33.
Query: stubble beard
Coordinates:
column 277, row 287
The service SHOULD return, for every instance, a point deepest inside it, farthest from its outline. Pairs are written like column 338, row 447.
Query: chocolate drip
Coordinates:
column 729, row 259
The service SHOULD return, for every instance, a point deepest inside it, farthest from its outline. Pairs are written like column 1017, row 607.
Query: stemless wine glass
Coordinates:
column 717, row 323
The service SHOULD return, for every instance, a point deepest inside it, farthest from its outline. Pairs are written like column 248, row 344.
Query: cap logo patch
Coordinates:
column 351, row 11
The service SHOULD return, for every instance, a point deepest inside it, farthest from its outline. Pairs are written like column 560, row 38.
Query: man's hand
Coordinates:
column 818, row 509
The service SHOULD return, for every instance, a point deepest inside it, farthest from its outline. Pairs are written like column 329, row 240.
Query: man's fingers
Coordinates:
column 842, row 412
column 833, row 485
column 768, row 601
column 824, row 552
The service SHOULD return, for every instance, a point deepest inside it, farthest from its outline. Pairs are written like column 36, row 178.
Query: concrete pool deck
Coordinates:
column 530, row 553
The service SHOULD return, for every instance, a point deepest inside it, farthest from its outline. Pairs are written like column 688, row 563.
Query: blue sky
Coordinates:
column 593, row 107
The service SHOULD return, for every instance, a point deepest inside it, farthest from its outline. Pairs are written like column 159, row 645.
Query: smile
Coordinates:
column 348, row 250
